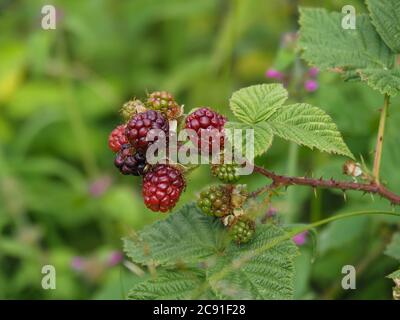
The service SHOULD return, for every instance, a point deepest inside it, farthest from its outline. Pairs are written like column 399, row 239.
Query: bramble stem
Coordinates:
column 379, row 140
column 286, row 181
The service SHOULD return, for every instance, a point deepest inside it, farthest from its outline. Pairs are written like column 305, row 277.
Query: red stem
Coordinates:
column 286, row 181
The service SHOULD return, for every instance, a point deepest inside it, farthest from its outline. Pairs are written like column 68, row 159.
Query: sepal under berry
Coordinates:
column 239, row 196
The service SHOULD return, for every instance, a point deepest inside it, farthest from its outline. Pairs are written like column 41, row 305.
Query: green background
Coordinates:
column 60, row 91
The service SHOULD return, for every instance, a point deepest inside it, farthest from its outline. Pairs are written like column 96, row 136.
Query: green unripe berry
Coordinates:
column 215, row 201
column 227, row 173
column 242, row 230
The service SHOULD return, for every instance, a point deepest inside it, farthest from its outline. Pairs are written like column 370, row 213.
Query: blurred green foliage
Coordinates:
column 62, row 202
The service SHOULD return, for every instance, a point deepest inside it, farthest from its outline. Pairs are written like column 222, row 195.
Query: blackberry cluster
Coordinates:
column 226, row 202
column 162, row 183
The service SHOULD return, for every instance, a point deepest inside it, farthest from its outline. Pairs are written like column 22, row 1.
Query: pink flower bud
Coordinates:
column 274, row 74
column 311, row 85
column 300, row 238
column 77, row 263
column 313, row 72
column 114, row 258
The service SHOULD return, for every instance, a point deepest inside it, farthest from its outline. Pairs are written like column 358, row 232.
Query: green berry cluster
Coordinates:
column 242, row 230
column 164, row 102
column 131, row 108
column 227, row 172
column 227, row 203
column 215, row 201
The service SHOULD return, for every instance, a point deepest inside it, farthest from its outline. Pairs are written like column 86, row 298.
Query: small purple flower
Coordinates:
column 77, row 263
column 311, row 85
column 300, row 238
column 274, row 74
column 114, row 258
column 271, row 212
column 98, row 187
column 313, row 72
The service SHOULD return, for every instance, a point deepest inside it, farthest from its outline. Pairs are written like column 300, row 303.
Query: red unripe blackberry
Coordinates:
column 162, row 187
column 164, row 102
column 130, row 162
column 140, row 125
column 203, row 120
column 117, row 138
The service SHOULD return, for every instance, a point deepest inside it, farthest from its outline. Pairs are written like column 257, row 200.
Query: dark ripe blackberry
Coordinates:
column 140, row 125
column 130, row 162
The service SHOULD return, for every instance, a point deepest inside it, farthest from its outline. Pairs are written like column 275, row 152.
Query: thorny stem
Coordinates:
column 286, row 181
column 238, row 263
column 379, row 141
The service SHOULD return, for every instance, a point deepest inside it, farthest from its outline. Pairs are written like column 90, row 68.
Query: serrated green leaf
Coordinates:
column 385, row 81
column 169, row 285
column 310, row 126
column 184, row 237
column 327, row 45
column 393, row 249
column 385, row 16
column 257, row 103
column 263, row 135
column 394, row 275
column 268, row 275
